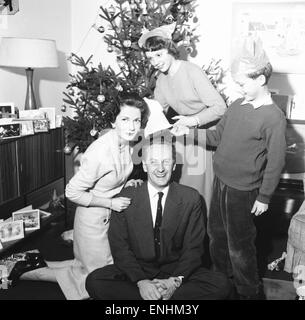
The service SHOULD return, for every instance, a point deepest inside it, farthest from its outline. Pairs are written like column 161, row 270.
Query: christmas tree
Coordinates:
column 93, row 90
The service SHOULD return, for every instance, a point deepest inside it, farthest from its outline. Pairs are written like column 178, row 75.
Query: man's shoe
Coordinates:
column 34, row 257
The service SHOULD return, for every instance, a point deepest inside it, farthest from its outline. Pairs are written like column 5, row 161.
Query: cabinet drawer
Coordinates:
column 8, row 172
column 40, row 160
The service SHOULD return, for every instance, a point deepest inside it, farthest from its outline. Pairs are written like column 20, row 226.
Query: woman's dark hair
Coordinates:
column 131, row 99
column 157, row 43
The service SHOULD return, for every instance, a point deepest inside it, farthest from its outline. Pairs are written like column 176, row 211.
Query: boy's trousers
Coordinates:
column 232, row 236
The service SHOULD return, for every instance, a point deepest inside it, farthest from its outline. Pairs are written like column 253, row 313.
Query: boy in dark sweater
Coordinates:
column 250, row 156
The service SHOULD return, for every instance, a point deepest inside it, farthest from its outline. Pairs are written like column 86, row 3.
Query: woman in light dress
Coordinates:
column 104, row 170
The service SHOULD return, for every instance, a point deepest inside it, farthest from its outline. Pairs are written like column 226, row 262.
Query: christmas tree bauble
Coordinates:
column 133, row 6
column 109, row 49
column 127, row 43
column 119, row 87
column 121, row 64
column 67, row 149
column 169, row 19
column 101, row 98
column 63, row 108
column 93, row 132
column 189, row 49
column 71, row 92
column 101, row 29
column 80, row 104
column 111, row 10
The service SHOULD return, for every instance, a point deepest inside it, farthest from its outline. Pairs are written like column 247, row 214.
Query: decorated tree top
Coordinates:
column 92, row 90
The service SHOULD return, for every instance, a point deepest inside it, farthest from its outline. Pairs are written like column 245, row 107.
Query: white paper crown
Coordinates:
column 250, row 57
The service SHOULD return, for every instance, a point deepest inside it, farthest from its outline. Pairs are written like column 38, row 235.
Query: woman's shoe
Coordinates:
column 24, row 266
column 34, row 256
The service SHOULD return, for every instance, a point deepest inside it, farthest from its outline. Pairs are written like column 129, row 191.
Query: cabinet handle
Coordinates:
column 58, row 150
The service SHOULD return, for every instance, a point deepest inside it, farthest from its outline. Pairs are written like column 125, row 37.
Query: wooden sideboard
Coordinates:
column 31, row 167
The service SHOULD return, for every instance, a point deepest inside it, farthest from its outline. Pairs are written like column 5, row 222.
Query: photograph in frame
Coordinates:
column 30, row 218
column 7, row 109
column 11, row 231
column 12, row 130
column 27, row 128
column 41, row 125
column 31, row 114
column 50, row 114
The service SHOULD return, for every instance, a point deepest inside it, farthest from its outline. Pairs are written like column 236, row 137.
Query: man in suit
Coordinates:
column 157, row 242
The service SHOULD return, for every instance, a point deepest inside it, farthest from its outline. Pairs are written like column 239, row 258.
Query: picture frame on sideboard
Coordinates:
column 6, row 108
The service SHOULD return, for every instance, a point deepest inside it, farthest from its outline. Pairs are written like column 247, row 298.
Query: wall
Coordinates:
column 86, row 40
column 38, row 19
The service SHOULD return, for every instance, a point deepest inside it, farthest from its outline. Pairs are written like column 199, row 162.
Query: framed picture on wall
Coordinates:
column 281, row 27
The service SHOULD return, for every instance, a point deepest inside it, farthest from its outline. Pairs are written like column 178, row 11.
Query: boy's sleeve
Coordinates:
column 213, row 137
column 276, row 149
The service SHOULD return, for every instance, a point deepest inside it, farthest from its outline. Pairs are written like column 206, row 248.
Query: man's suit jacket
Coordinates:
column 131, row 235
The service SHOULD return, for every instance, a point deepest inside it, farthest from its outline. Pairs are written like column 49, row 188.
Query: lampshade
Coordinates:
column 28, row 53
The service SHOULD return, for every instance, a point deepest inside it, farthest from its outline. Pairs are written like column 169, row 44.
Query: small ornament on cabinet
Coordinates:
column 93, row 132
column 67, row 149
column 56, row 202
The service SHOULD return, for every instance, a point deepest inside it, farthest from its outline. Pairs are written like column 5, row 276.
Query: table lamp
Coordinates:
column 29, row 54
